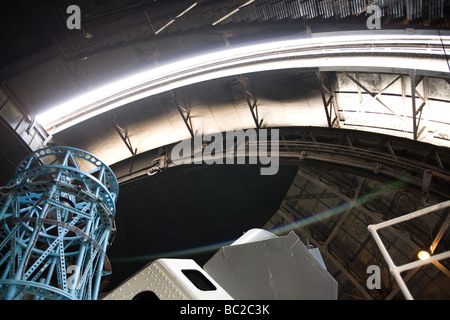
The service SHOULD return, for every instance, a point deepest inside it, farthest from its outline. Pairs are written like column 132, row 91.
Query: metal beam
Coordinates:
column 233, row 11
column 436, row 241
column 123, row 135
column 29, row 132
column 357, row 206
column 382, row 91
column 424, row 99
column 185, row 114
column 440, row 233
column 177, row 17
column 412, row 76
column 328, row 103
column 251, row 101
column 407, row 277
column 375, row 96
column 397, row 270
column 344, row 216
column 334, row 148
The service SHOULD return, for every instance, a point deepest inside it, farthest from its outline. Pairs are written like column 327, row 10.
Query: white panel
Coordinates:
column 165, row 278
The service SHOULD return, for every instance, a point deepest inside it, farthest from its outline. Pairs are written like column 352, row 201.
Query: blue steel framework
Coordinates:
column 56, row 222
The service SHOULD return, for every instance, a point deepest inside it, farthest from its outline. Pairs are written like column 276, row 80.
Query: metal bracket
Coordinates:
column 157, row 165
column 123, row 135
column 251, row 101
column 427, row 176
column 417, row 112
column 325, row 88
column 185, row 114
column 412, row 76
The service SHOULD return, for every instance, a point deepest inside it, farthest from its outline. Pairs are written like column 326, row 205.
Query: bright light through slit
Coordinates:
column 227, row 62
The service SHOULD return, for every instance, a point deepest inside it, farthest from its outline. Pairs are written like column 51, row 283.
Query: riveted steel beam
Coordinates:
column 328, row 102
column 252, row 101
column 123, row 133
column 184, row 112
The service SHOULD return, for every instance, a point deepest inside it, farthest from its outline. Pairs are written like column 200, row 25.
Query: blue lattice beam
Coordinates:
column 56, row 222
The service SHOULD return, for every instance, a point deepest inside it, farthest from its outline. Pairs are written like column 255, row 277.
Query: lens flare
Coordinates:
column 339, row 209
column 213, row 247
column 186, row 252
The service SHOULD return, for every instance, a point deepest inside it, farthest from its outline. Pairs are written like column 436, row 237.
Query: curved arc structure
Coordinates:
column 376, row 154
column 385, row 52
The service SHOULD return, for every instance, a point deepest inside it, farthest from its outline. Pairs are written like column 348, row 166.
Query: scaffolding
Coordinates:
column 56, row 222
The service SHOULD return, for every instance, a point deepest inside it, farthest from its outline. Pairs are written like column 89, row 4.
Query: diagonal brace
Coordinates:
column 251, row 101
column 185, row 114
column 124, row 136
column 327, row 103
column 373, row 95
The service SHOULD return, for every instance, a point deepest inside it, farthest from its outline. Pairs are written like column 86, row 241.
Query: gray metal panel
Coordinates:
column 165, row 278
column 274, row 269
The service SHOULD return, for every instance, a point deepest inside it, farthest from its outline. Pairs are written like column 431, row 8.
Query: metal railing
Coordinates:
column 393, row 268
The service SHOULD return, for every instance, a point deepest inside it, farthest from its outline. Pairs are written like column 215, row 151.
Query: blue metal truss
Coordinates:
column 56, row 222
